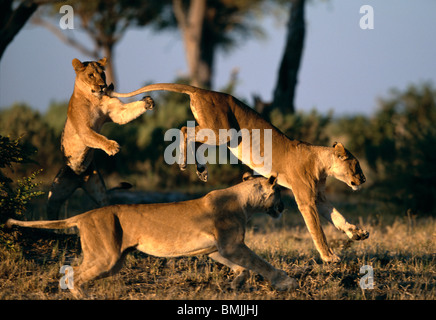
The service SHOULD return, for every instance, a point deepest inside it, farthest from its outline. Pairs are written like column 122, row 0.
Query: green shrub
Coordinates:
column 15, row 196
column 398, row 143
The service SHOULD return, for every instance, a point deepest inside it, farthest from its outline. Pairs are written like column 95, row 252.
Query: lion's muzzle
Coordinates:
column 276, row 210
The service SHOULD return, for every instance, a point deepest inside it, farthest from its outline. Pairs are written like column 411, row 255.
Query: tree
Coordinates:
column 284, row 92
column 190, row 22
column 13, row 17
column 105, row 22
column 208, row 25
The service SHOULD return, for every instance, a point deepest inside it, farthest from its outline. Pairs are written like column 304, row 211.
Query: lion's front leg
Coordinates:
column 305, row 199
column 241, row 273
column 332, row 215
column 313, row 224
column 121, row 113
column 335, row 217
column 240, row 254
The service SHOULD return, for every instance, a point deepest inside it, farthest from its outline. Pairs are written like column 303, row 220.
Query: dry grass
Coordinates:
column 401, row 252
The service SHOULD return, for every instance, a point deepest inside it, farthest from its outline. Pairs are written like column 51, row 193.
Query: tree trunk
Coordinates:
column 108, row 52
column 190, row 22
column 284, row 92
column 206, row 62
column 11, row 22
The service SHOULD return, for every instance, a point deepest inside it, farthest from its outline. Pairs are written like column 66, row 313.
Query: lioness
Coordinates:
column 302, row 167
column 89, row 108
column 213, row 225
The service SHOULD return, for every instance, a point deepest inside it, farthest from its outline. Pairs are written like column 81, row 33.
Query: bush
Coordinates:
column 398, row 143
column 403, row 147
column 15, row 196
column 35, row 134
column 309, row 127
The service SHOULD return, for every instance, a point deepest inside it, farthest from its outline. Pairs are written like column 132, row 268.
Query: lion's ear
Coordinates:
column 110, row 88
column 102, row 62
column 77, row 65
column 247, row 176
column 340, row 150
column 273, row 179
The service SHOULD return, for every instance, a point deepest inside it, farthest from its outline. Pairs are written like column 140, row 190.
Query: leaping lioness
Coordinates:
column 213, row 225
column 302, row 167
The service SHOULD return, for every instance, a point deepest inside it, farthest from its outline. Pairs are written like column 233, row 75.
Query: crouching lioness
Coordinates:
column 213, row 225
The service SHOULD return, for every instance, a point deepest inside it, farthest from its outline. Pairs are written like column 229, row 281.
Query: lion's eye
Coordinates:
column 91, row 75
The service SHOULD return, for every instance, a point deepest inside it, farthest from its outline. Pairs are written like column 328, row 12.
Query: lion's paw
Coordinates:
column 149, row 102
column 240, row 280
column 112, row 148
column 357, row 234
column 202, row 173
column 285, row 283
column 332, row 258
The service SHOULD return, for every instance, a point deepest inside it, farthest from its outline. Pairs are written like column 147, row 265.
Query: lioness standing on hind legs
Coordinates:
column 302, row 167
column 89, row 108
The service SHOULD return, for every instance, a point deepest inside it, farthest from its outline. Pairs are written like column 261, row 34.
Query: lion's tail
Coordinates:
column 175, row 87
column 43, row 224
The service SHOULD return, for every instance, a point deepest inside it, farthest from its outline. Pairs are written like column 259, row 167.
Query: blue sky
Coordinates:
column 344, row 68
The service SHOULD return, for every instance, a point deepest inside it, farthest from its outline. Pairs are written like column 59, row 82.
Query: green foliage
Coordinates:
column 398, row 143
column 55, row 117
column 310, row 127
column 404, row 140
column 14, row 197
column 36, row 134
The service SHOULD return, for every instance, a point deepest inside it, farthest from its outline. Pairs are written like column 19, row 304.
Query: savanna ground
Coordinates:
column 400, row 250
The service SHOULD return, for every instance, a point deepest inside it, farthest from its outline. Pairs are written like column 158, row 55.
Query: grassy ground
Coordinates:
column 400, row 251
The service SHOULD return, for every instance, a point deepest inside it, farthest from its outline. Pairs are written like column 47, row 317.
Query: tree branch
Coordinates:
column 12, row 21
column 180, row 14
column 65, row 39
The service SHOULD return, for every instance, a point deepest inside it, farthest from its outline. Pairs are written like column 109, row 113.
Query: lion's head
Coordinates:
column 266, row 194
column 90, row 76
column 346, row 167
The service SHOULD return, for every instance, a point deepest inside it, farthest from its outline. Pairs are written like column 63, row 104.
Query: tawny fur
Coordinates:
column 302, row 167
column 88, row 110
column 213, row 225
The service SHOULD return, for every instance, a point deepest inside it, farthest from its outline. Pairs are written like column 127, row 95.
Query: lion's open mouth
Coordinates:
column 355, row 188
column 97, row 92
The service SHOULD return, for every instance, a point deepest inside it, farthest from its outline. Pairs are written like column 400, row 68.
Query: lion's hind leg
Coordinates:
column 63, row 186
column 196, row 137
column 95, row 187
column 187, row 137
column 103, row 256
